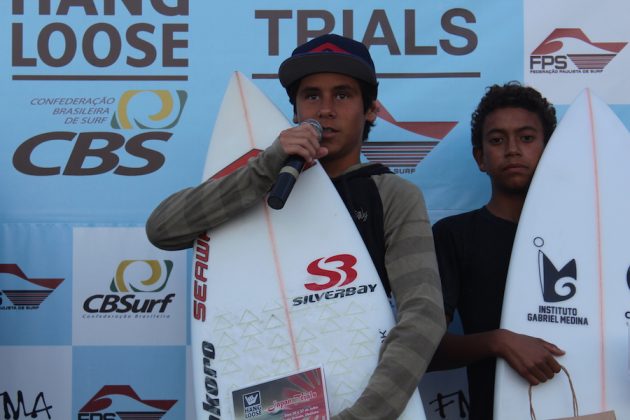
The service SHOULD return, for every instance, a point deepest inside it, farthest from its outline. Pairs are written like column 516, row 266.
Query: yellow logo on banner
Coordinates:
column 138, row 102
column 131, row 275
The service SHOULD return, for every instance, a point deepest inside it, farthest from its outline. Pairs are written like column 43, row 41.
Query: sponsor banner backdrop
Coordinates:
column 109, row 107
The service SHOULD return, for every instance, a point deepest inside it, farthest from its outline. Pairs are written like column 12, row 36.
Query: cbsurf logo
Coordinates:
column 116, row 401
column 133, row 280
column 330, row 278
column 404, row 156
column 19, row 292
column 570, row 50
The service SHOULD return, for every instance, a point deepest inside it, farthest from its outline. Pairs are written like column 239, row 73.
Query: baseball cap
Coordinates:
column 329, row 53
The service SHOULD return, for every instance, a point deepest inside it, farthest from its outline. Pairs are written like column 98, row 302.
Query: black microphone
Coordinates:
column 289, row 173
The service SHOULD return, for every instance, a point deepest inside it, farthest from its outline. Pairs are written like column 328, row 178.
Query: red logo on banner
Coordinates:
column 103, row 400
column 571, row 45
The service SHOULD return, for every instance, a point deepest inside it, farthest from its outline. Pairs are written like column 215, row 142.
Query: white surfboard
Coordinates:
column 285, row 290
column 568, row 280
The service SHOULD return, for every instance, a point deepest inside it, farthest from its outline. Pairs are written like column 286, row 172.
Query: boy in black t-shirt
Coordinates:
column 510, row 129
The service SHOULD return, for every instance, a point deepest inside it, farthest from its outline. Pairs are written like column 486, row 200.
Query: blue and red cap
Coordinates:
column 329, row 53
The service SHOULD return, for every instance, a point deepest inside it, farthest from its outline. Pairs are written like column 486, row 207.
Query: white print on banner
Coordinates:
column 19, row 292
column 556, row 285
column 110, row 400
column 569, row 50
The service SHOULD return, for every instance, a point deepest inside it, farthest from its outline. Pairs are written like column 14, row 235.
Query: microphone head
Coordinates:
column 315, row 124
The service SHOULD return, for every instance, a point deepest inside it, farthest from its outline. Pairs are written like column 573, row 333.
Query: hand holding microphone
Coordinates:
column 289, row 173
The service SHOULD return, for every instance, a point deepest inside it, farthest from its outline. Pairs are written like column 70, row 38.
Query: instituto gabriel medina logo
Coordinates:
column 403, row 156
column 149, row 109
column 566, row 46
column 21, row 291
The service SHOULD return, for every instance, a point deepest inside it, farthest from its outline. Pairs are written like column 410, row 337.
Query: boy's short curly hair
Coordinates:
column 512, row 95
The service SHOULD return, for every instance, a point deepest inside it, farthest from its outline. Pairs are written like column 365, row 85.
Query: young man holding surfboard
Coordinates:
column 510, row 129
column 332, row 80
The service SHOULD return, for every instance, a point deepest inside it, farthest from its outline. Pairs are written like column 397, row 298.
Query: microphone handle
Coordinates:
column 289, row 174
column 285, row 182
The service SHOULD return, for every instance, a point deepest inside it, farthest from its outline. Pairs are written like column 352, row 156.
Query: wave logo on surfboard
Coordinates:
column 21, row 291
column 550, row 277
column 403, row 156
column 129, row 404
column 571, row 45
column 133, row 105
column 335, row 272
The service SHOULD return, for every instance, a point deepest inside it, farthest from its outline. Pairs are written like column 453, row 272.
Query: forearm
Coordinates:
column 183, row 216
column 457, row 350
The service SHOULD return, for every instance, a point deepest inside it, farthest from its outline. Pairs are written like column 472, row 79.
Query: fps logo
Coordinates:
column 22, row 292
column 133, row 279
column 97, row 152
column 138, row 103
column 565, row 46
column 403, row 156
column 102, row 406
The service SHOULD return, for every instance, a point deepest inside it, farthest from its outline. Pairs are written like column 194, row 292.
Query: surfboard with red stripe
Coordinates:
column 568, row 280
column 275, row 292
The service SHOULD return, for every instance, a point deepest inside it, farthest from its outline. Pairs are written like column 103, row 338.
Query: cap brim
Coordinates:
column 297, row 67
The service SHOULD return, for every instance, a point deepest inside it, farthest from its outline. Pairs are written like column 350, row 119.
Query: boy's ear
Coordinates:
column 478, row 155
column 372, row 112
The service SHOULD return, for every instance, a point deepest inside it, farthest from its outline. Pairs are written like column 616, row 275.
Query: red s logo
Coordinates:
column 343, row 272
